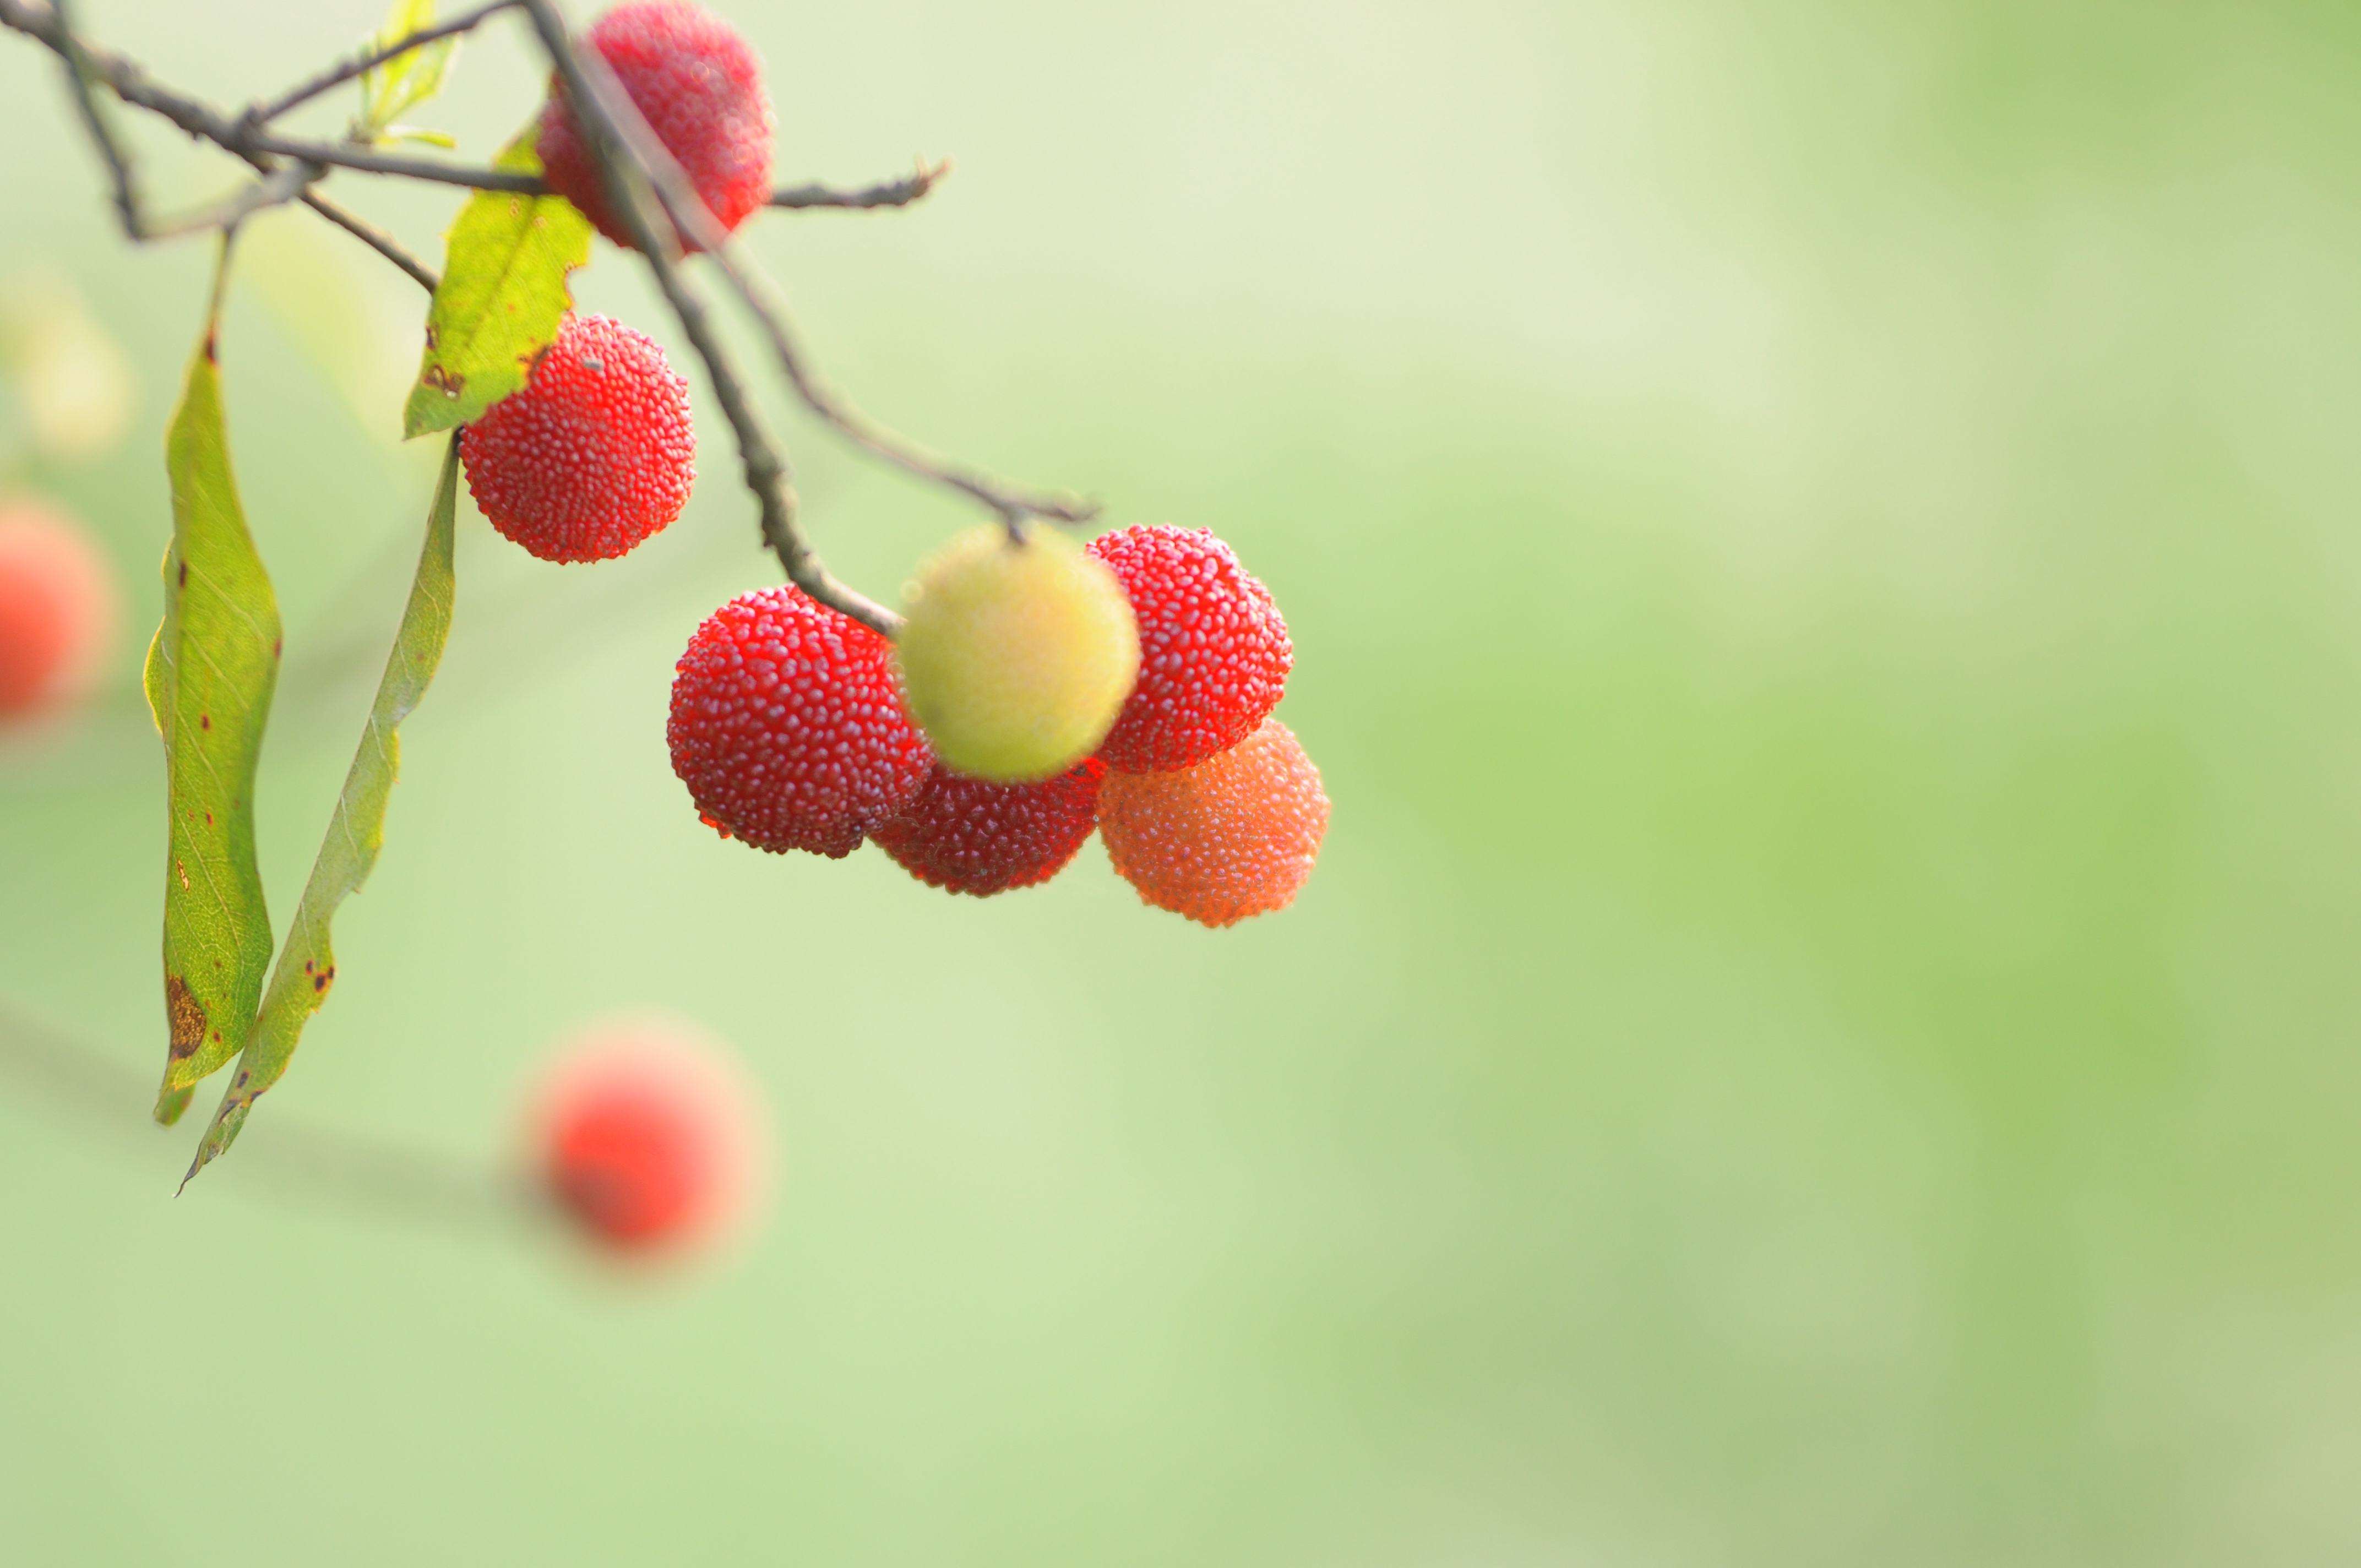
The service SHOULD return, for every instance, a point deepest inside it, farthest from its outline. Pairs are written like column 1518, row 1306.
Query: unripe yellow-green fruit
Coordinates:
column 1016, row 657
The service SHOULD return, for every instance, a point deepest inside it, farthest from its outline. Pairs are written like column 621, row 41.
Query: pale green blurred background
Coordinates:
column 1820, row 542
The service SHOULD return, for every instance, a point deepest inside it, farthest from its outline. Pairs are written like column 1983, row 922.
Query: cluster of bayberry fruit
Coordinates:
column 1039, row 690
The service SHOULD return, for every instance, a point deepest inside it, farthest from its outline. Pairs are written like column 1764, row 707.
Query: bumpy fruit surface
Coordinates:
column 699, row 83
column 594, row 454
column 1214, row 653
column 648, row 1138
column 969, row 836
column 1016, row 657
column 58, row 605
column 788, row 726
column 1233, row 837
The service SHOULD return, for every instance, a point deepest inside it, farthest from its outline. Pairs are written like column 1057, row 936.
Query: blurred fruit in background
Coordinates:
column 66, row 389
column 649, row 1138
column 58, row 610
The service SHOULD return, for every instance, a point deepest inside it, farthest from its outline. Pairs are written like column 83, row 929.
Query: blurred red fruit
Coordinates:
column 648, row 1137
column 700, row 85
column 57, row 610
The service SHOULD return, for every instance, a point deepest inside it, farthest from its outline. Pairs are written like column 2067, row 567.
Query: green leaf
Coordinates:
column 502, row 295
column 209, row 679
column 406, row 80
column 307, row 963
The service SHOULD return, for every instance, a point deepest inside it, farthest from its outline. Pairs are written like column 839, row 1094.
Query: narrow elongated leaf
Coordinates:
column 502, row 294
column 307, row 962
column 210, row 675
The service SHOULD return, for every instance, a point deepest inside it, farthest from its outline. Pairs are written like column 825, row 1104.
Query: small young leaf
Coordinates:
column 209, row 679
column 307, row 963
column 403, row 82
column 502, row 295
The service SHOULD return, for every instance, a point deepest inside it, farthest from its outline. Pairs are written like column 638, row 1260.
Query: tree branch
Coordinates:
column 898, row 192
column 376, row 238
column 272, row 190
column 244, row 139
column 765, row 469
column 646, row 185
column 694, row 223
column 128, row 82
column 368, row 60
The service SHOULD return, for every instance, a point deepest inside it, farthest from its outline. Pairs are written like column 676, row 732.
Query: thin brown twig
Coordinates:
column 129, row 82
column 898, row 192
column 275, row 189
column 376, row 238
column 243, row 139
column 696, row 226
column 78, row 71
column 367, row 59
column 661, row 210
column 272, row 190
column 765, row 469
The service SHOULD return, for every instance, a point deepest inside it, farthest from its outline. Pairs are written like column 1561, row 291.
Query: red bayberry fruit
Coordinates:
column 699, row 83
column 788, row 726
column 594, row 454
column 648, row 1137
column 57, row 611
column 1214, row 653
column 971, row 836
column 1235, row 836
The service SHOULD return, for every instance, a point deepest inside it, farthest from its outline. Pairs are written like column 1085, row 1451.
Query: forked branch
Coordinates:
column 668, row 223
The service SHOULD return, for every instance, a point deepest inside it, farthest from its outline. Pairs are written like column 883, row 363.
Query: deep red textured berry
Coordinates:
column 594, row 454
column 788, row 726
column 57, row 611
column 971, row 836
column 647, row 1137
column 1214, row 651
column 699, row 83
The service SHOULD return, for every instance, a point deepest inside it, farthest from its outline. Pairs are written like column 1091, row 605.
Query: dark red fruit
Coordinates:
column 699, row 83
column 1214, row 651
column 595, row 454
column 968, row 836
column 788, row 726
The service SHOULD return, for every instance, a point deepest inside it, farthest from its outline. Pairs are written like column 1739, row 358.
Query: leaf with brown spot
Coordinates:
column 210, row 674
column 502, row 294
column 307, row 963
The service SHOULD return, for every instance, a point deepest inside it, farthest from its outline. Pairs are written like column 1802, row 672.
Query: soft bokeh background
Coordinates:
column 1820, row 540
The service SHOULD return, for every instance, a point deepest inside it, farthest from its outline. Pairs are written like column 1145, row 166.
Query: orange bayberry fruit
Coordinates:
column 1235, row 836
column 969, row 836
column 788, row 726
column 700, row 85
column 56, row 610
column 1214, row 651
column 648, row 1137
column 594, row 454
